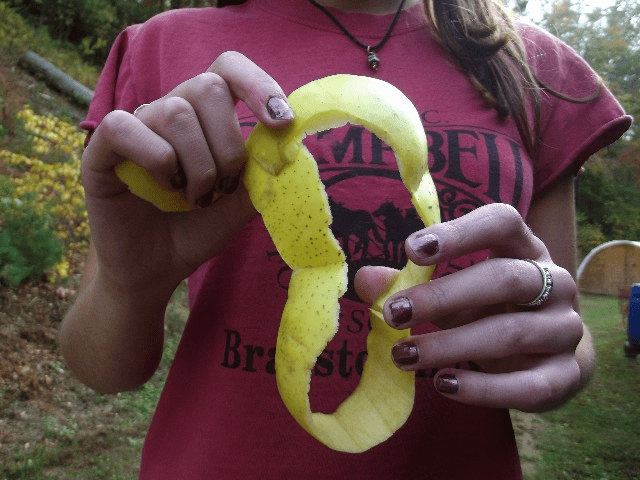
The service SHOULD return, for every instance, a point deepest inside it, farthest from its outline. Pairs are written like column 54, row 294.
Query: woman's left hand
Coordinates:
column 527, row 355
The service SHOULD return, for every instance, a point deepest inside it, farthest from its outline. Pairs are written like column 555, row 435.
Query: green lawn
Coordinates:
column 597, row 434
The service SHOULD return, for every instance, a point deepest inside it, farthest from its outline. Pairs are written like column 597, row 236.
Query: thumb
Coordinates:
column 371, row 282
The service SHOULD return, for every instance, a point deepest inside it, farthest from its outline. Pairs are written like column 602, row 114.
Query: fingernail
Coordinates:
column 424, row 245
column 279, row 109
column 447, row 383
column 401, row 310
column 228, row 185
column 178, row 179
column 205, row 200
column 405, row 353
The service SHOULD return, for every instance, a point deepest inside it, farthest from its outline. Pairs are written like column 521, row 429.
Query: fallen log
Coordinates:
column 56, row 78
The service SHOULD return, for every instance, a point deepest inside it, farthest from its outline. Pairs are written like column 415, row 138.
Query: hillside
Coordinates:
column 51, row 426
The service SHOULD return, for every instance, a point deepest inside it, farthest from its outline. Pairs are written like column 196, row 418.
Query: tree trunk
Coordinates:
column 56, row 78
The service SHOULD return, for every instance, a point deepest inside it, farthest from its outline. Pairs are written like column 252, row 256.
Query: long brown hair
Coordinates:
column 483, row 37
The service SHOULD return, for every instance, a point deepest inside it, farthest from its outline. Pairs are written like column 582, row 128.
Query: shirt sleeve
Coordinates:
column 115, row 89
column 575, row 128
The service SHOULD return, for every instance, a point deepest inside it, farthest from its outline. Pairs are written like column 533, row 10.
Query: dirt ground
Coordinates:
column 528, row 428
column 48, row 417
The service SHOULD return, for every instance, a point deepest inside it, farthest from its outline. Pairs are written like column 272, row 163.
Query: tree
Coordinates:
column 609, row 39
column 608, row 193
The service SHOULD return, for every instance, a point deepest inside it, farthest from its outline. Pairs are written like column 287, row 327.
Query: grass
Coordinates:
column 597, row 434
column 101, row 436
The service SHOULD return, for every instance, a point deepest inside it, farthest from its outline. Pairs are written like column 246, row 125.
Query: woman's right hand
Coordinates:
column 112, row 337
column 190, row 139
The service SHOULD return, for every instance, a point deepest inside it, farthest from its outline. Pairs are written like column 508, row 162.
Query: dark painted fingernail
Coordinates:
column 447, row 383
column 228, row 185
column 401, row 310
column 205, row 200
column 405, row 353
column 424, row 245
column 279, row 109
column 179, row 179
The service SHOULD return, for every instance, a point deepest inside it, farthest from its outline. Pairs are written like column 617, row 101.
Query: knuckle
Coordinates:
column 177, row 110
column 543, row 394
column 504, row 211
column 551, row 386
column 207, row 176
column 515, row 336
column 435, row 297
column 165, row 159
column 201, row 182
column 228, row 57
column 114, row 124
column 562, row 277
column 512, row 222
column 454, row 232
column 208, row 84
column 515, row 275
column 573, row 329
column 231, row 156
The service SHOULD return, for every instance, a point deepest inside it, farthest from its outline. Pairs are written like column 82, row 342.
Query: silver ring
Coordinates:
column 547, row 286
column 137, row 110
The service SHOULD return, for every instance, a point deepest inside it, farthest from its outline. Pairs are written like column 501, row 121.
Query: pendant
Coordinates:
column 372, row 59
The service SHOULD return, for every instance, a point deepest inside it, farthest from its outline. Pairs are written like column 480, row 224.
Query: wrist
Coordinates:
column 134, row 291
column 112, row 337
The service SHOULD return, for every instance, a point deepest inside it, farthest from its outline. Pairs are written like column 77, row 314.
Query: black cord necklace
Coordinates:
column 373, row 61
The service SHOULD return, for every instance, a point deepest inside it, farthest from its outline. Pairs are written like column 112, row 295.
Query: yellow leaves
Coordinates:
column 49, row 174
column 50, row 134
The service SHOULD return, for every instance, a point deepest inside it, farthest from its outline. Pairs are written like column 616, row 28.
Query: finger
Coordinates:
column 536, row 390
column 255, row 87
column 212, row 96
column 371, row 282
column 489, row 283
column 500, row 336
column 496, row 227
column 175, row 119
column 122, row 136
column 213, row 103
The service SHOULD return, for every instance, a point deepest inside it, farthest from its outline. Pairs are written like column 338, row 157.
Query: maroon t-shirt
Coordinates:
column 220, row 415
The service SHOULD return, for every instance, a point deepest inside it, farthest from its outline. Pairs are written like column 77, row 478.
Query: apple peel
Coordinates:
column 283, row 182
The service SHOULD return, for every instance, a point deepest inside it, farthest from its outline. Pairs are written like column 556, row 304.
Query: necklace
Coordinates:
column 373, row 61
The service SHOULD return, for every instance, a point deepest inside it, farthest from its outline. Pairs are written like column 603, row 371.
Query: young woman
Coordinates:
column 510, row 113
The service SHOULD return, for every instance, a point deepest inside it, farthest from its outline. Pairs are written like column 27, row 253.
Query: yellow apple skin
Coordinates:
column 283, row 182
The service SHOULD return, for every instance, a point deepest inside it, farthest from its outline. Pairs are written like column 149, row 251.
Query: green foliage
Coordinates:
column 589, row 235
column 18, row 36
column 608, row 203
column 608, row 193
column 28, row 246
column 90, row 25
column 609, row 40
